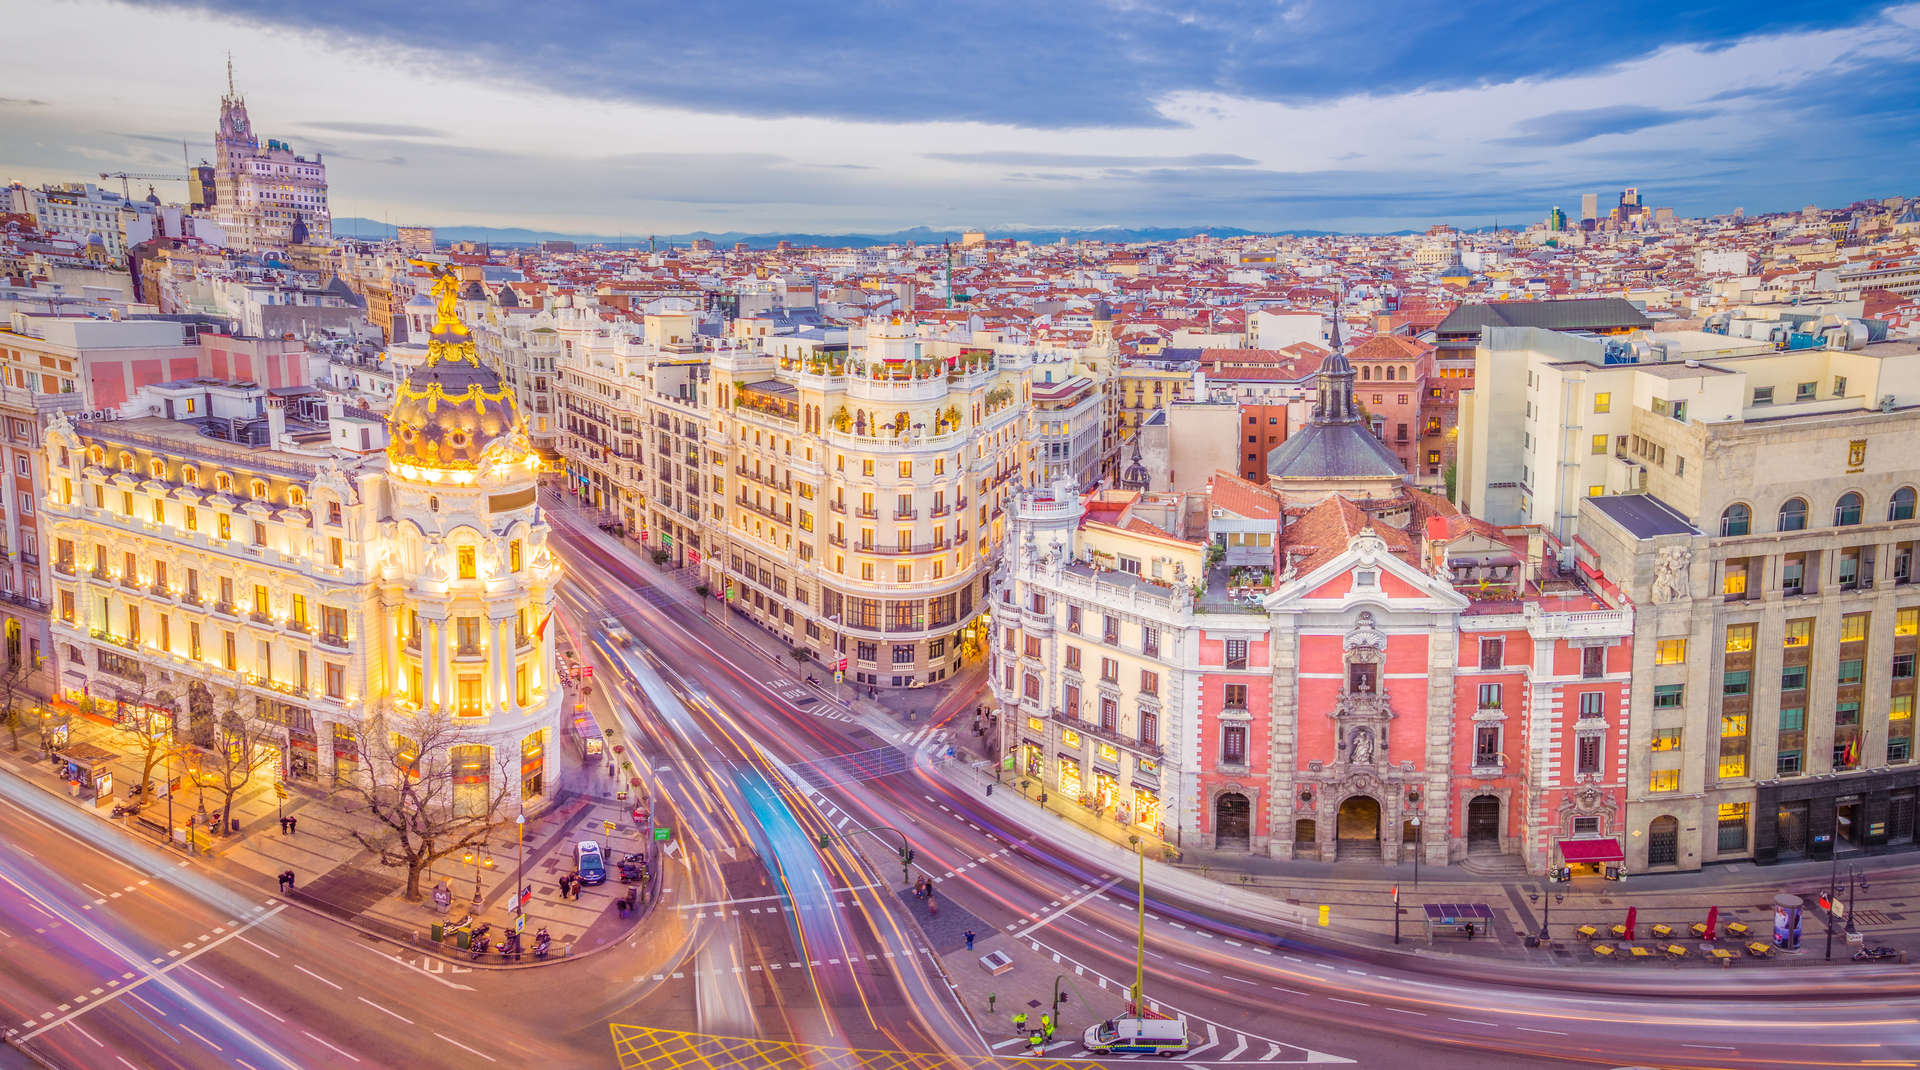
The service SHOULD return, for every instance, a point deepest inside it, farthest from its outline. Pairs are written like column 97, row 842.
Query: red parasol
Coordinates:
column 1632, row 912
column 1713, row 918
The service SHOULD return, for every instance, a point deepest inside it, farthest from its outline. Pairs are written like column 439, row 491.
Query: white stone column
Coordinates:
column 500, row 666
column 443, row 660
column 430, row 673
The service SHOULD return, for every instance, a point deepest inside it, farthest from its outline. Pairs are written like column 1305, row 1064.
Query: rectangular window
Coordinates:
column 1853, row 627
column 1493, row 653
column 1150, row 641
column 1669, row 696
column 1849, row 671
column 1603, row 403
column 1664, row 780
column 1073, row 619
column 1235, row 696
column 1903, row 666
column 1593, row 704
column 1787, row 763
column 261, row 599
column 1486, row 745
column 1793, row 678
column 1236, row 653
column 1593, row 662
column 1233, row 744
column 1489, row 696
column 1110, row 670
column 1907, row 622
column 1739, row 638
column 1845, row 714
column 467, row 697
column 1798, row 632
column 464, row 558
column 1110, row 630
column 1733, row 725
column 1149, row 728
column 1793, row 719
column 1664, row 739
column 1599, row 445
column 1149, row 682
column 1587, row 753
column 1733, row 823
column 1073, row 659
column 1670, row 652
column 1900, row 710
column 1736, row 682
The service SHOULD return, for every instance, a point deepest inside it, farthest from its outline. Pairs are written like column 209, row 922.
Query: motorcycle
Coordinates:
column 1875, row 954
column 541, row 942
column 510, row 947
column 479, row 943
column 123, row 809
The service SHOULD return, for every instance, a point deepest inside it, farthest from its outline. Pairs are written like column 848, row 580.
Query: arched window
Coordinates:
column 1901, row 506
column 126, row 461
column 1389, row 374
column 157, row 468
column 1793, row 514
column 1737, row 520
column 222, row 482
column 1366, row 372
column 257, row 490
column 97, row 455
column 189, row 475
column 1846, row 511
column 296, row 497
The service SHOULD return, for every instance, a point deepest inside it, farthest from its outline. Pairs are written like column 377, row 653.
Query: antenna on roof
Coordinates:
column 229, row 72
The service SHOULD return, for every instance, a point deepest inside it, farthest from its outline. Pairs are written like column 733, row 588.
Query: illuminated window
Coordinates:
column 1595, row 490
column 1799, row 632
column 1853, row 627
column 468, row 697
column 1599, row 445
column 1739, row 638
column 223, row 525
column 1603, row 403
column 1733, row 765
column 1664, row 739
column 1735, row 582
column 1670, row 652
column 465, row 557
column 1907, row 622
column 513, row 555
column 1733, row 725
column 1664, row 780
column 1902, row 708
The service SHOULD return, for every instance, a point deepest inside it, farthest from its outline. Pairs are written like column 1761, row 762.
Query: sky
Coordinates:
column 867, row 116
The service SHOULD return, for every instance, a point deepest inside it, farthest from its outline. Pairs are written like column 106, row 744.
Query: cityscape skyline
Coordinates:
column 1714, row 116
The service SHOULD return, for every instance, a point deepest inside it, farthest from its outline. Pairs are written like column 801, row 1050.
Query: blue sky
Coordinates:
column 872, row 116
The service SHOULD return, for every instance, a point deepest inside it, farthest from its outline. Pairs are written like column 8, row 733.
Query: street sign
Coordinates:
column 608, row 825
column 662, row 834
column 586, row 671
column 280, row 790
column 838, row 676
column 520, row 924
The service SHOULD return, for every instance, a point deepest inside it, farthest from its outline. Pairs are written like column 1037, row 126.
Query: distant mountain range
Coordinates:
column 350, row 226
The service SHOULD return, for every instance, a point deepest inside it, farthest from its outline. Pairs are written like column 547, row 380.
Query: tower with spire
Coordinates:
column 264, row 197
column 1335, row 453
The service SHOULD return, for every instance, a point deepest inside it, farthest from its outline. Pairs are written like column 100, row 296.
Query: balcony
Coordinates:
column 910, row 514
column 897, row 550
column 1111, row 735
column 867, row 514
column 331, row 640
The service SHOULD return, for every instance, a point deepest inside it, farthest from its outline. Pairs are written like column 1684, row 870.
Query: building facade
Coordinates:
column 219, row 554
column 265, row 197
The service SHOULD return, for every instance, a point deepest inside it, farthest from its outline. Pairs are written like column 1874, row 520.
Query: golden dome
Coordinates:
column 451, row 408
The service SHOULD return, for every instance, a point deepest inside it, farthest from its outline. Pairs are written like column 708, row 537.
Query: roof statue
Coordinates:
column 446, row 298
column 454, row 412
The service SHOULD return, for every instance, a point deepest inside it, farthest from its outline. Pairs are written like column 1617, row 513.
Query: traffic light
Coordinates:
column 823, row 841
column 906, row 856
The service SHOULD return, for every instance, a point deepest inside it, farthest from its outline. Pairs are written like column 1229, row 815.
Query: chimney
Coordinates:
column 276, row 421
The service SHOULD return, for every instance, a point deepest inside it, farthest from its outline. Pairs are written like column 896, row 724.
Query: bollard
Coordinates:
column 991, row 996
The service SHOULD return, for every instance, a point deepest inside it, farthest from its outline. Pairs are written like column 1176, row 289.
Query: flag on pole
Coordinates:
column 540, row 633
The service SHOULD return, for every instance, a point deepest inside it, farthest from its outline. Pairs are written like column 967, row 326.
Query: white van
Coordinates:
column 1141, row 1036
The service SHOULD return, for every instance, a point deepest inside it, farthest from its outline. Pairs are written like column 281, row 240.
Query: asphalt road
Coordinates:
column 118, row 954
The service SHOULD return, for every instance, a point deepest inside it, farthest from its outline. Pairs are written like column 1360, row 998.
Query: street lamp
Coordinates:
column 520, row 878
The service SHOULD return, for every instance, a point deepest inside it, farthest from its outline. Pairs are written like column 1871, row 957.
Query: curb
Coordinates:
column 1301, row 931
column 295, row 900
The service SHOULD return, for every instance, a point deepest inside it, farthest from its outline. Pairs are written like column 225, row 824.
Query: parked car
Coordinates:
column 590, row 861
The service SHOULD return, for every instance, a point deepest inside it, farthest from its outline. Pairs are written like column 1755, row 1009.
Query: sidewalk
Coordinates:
column 1287, row 897
column 336, row 876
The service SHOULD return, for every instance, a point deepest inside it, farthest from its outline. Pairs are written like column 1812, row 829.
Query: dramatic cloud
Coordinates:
column 871, row 115
column 1572, row 127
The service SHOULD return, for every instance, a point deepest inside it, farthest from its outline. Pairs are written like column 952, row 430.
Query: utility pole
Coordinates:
column 1396, row 913
column 520, row 879
column 1140, row 957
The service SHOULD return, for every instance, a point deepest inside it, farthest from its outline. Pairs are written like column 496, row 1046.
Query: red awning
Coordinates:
column 1575, row 852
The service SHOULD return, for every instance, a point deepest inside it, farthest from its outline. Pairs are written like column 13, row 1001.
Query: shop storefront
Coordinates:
column 346, row 753
column 1865, row 814
column 1146, row 808
column 533, row 765
column 470, row 788
column 1070, row 783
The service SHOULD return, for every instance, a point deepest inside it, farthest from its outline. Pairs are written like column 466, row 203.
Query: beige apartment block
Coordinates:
column 857, row 493
column 1771, row 554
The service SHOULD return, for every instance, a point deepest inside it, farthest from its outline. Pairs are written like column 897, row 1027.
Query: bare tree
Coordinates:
column 238, row 752
column 152, row 732
column 425, row 804
column 12, row 680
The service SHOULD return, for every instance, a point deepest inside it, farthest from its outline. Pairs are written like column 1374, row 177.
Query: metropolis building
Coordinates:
column 213, row 550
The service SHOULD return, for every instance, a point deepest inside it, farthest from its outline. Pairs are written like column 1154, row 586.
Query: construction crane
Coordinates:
column 138, row 176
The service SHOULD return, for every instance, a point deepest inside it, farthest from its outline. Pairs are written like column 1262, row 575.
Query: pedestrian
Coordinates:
column 1469, row 932
column 1046, row 1025
column 969, row 939
column 1036, row 1041
column 1020, row 1021
column 293, row 826
column 283, row 826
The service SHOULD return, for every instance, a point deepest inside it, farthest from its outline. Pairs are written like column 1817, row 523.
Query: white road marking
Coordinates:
column 1549, row 1032
column 348, row 1054
column 202, row 1039
column 384, row 1010
column 261, row 1009
column 1470, row 1021
column 317, row 977
column 463, row 1047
